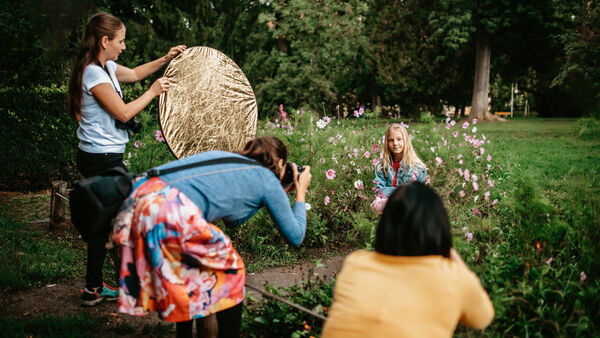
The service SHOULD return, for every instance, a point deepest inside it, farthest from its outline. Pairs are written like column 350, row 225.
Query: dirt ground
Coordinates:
column 63, row 298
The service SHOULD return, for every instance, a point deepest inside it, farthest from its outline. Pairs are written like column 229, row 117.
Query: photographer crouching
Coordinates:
column 174, row 261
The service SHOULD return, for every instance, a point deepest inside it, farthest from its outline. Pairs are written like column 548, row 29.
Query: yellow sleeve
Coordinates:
column 478, row 310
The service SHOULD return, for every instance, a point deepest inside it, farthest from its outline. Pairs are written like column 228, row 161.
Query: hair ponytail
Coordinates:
column 100, row 25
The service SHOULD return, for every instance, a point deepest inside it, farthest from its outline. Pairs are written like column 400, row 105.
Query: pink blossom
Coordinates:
column 465, row 125
column 447, row 126
column 494, row 202
column 375, row 161
column 460, row 172
column 447, row 120
column 452, row 123
column 460, row 162
column 326, row 119
column 467, row 175
column 358, row 184
column 330, row 174
column 455, row 133
column 474, row 178
column 481, row 150
column 475, row 211
column 138, row 143
column 490, row 183
column 282, row 113
column 375, row 148
column 582, row 277
column 327, row 200
column 469, row 237
column 486, row 196
column 475, row 186
column 489, row 157
column 367, row 154
column 338, row 136
column 158, row 135
column 460, row 156
column 438, row 160
column 332, row 192
column 489, row 166
column 461, row 193
column 549, row 261
column 474, row 121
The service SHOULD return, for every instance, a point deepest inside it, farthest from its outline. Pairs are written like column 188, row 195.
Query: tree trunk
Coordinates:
column 481, row 87
column 58, row 203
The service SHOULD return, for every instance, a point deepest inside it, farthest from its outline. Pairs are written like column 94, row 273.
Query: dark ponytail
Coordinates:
column 267, row 150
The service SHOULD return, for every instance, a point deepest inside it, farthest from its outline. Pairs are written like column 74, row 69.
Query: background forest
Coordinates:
column 394, row 57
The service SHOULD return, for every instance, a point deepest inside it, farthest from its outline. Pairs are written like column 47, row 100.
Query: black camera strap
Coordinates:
column 222, row 160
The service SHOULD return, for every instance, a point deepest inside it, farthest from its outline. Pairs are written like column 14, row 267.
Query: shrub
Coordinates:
column 587, row 128
column 39, row 140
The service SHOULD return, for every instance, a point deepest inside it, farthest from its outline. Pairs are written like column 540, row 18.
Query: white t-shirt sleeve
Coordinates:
column 93, row 76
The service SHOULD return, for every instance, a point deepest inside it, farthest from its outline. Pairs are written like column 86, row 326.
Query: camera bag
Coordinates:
column 96, row 200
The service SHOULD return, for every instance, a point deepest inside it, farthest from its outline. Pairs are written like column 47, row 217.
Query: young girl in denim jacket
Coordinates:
column 399, row 165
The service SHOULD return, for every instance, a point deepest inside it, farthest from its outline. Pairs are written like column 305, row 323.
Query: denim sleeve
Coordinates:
column 291, row 223
column 381, row 182
column 421, row 173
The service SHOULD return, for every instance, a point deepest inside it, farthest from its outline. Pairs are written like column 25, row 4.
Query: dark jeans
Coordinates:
column 90, row 165
column 229, row 322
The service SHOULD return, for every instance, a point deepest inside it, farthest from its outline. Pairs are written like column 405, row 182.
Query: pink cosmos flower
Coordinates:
column 332, row 192
column 438, row 160
column 326, row 119
column 469, row 237
column 358, row 184
column 490, row 183
column 330, row 174
column 452, row 123
column 138, row 144
column 582, row 277
column 489, row 158
column 465, row 125
column 475, row 186
column 474, row 121
column 460, row 172
column 447, row 126
column 494, row 202
column 461, row 193
column 467, row 175
column 460, row 162
column 375, row 148
column 447, row 120
column 367, row 154
column 476, row 212
column 489, row 166
column 327, row 200
column 282, row 113
column 375, row 161
column 158, row 135
column 486, row 196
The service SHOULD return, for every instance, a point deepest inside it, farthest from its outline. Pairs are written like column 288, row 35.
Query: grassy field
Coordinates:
column 529, row 228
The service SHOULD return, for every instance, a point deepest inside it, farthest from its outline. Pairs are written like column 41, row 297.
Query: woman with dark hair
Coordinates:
column 414, row 284
column 174, row 261
column 95, row 100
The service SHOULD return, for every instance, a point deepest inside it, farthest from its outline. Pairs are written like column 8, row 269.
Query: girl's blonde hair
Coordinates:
column 409, row 156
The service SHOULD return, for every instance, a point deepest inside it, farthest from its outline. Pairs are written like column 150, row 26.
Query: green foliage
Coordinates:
column 39, row 142
column 271, row 318
column 587, row 128
column 49, row 326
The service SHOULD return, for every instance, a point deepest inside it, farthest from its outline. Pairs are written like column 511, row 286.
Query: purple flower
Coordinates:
column 465, row 125
column 469, row 237
column 326, row 119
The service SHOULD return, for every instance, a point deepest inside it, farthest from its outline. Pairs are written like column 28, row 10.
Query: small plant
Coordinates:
column 587, row 128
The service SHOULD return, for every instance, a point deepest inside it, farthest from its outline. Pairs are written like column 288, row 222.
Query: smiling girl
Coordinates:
column 399, row 164
column 95, row 100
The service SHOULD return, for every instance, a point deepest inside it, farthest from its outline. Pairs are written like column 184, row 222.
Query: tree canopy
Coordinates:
column 418, row 54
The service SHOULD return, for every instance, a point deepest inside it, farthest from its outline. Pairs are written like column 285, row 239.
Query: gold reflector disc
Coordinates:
column 210, row 104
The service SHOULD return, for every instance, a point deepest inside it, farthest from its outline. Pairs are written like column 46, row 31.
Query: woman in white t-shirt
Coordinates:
column 96, row 102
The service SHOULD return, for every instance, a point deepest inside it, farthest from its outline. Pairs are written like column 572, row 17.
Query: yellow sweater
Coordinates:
column 380, row 295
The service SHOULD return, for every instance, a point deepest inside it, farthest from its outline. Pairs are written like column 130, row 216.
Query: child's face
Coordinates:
column 395, row 142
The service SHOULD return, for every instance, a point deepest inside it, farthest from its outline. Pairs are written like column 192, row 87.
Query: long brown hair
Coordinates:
column 267, row 150
column 409, row 156
column 100, row 25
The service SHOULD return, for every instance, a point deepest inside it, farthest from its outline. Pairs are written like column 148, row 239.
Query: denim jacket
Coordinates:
column 406, row 175
column 235, row 192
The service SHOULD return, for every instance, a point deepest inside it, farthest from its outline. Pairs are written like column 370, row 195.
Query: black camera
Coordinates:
column 288, row 176
column 132, row 125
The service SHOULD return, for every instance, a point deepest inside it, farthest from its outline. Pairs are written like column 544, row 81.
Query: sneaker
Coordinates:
column 109, row 293
column 93, row 297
